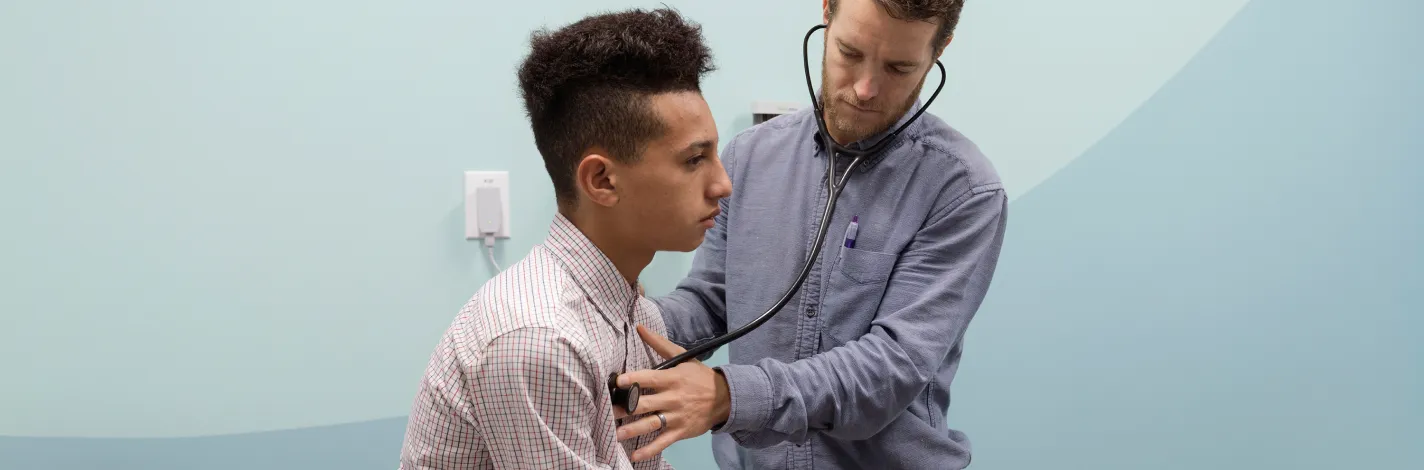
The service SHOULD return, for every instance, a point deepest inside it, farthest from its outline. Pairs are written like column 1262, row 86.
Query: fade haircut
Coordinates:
column 589, row 85
column 946, row 12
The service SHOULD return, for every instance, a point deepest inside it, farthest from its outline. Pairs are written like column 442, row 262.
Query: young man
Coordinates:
column 855, row 372
column 520, row 379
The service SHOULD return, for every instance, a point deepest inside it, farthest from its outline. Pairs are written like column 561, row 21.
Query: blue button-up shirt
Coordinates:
column 855, row 371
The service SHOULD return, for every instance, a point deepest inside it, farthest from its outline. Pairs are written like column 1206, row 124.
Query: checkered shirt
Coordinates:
column 519, row 380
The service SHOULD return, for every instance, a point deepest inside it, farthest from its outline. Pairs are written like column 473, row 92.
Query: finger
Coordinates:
column 646, row 379
column 666, row 349
column 662, row 442
column 639, row 427
column 663, row 401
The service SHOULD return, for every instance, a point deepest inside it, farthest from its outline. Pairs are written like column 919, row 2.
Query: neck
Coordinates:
column 628, row 259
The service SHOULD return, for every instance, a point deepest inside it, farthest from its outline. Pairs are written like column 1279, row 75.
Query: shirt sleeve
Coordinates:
column 856, row 389
column 532, row 404
column 440, row 433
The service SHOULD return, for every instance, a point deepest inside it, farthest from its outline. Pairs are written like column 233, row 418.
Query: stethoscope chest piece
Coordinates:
column 627, row 398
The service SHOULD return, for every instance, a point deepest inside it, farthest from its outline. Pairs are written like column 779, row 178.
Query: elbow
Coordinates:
column 882, row 407
column 765, row 439
column 865, row 423
column 860, row 431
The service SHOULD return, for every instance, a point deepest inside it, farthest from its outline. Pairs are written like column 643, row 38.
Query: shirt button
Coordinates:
column 811, row 312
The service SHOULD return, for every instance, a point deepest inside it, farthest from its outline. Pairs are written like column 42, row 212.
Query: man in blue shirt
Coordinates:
column 855, row 371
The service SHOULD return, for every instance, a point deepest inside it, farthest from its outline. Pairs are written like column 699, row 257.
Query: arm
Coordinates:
column 855, row 390
column 530, row 402
column 441, row 429
column 535, row 403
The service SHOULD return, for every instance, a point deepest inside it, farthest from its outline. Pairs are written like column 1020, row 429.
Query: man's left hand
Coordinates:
column 692, row 397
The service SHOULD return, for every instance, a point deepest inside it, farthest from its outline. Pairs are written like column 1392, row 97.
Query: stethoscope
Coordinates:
column 628, row 398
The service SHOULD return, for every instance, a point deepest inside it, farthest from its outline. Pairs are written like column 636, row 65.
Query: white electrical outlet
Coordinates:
column 474, row 180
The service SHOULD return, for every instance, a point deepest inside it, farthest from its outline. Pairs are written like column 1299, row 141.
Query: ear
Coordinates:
column 826, row 12
column 595, row 179
column 939, row 52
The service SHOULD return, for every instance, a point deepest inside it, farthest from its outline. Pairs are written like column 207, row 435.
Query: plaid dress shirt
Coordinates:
column 519, row 379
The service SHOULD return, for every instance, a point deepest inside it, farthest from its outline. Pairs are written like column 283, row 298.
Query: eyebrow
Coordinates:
column 897, row 63
column 699, row 145
column 847, row 46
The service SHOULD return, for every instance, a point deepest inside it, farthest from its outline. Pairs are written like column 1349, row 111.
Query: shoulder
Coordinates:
column 529, row 300
column 535, row 351
column 966, row 162
column 776, row 136
column 950, row 171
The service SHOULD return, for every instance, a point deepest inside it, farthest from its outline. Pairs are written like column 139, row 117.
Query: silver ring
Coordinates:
column 663, row 420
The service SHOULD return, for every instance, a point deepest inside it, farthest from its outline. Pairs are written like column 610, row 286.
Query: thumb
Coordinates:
column 666, row 349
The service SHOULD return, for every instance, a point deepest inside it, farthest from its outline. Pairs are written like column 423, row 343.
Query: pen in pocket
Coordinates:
column 851, row 231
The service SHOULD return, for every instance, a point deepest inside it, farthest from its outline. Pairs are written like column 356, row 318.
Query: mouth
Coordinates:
column 858, row 108
column 711, row 219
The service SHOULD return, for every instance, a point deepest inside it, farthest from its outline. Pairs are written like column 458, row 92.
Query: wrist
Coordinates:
column 723, row 408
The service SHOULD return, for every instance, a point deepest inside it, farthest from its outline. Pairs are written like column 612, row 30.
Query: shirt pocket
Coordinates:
column 854, row 289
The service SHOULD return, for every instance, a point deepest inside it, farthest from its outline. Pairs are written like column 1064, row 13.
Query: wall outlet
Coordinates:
column 474, row 180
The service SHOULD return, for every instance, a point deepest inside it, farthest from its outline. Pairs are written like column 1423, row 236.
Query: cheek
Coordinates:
column 843, row 77
column 658, row 199
column 897, row 89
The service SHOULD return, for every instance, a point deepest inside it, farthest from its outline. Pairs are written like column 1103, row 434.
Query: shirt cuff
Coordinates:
column 750, row 390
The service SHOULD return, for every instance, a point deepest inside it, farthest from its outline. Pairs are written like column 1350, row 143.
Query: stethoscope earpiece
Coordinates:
column 629, row 397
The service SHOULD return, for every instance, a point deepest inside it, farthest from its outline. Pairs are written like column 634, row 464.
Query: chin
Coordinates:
column 690, row 247
column 689, row 244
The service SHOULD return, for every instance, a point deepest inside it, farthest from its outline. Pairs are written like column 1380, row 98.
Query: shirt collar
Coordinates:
column 873, row 139
column 611, row 295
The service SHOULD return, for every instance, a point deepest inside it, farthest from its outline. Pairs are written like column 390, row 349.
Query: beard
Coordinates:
column 843, row 123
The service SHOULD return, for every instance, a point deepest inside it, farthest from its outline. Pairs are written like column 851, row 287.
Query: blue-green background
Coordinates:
column 232, row 230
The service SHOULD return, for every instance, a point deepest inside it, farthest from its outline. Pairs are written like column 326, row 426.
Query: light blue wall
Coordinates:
column 232, row 230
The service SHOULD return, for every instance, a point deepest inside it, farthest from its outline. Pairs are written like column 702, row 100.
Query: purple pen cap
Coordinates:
column 855, row 218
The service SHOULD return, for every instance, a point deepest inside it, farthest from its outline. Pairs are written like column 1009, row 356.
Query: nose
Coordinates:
column 721, row 184
column 867, row 87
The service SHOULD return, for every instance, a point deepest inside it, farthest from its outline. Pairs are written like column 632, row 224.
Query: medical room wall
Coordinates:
column 232, row 231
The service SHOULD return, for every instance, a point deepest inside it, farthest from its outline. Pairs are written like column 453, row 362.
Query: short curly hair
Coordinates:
column 945, row 11
column 589, row 84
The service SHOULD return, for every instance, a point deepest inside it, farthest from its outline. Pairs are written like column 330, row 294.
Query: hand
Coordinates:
column 692, row 396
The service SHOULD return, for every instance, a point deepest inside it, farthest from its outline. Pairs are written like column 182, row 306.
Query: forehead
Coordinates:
column 864, row 24
column 685, row 115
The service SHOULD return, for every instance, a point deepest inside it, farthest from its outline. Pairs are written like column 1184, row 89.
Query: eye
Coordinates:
column 696, row 160
column 850, row 54
column 900, row 70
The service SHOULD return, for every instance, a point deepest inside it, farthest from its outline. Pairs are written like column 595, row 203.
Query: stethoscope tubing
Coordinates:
column 834, row 187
